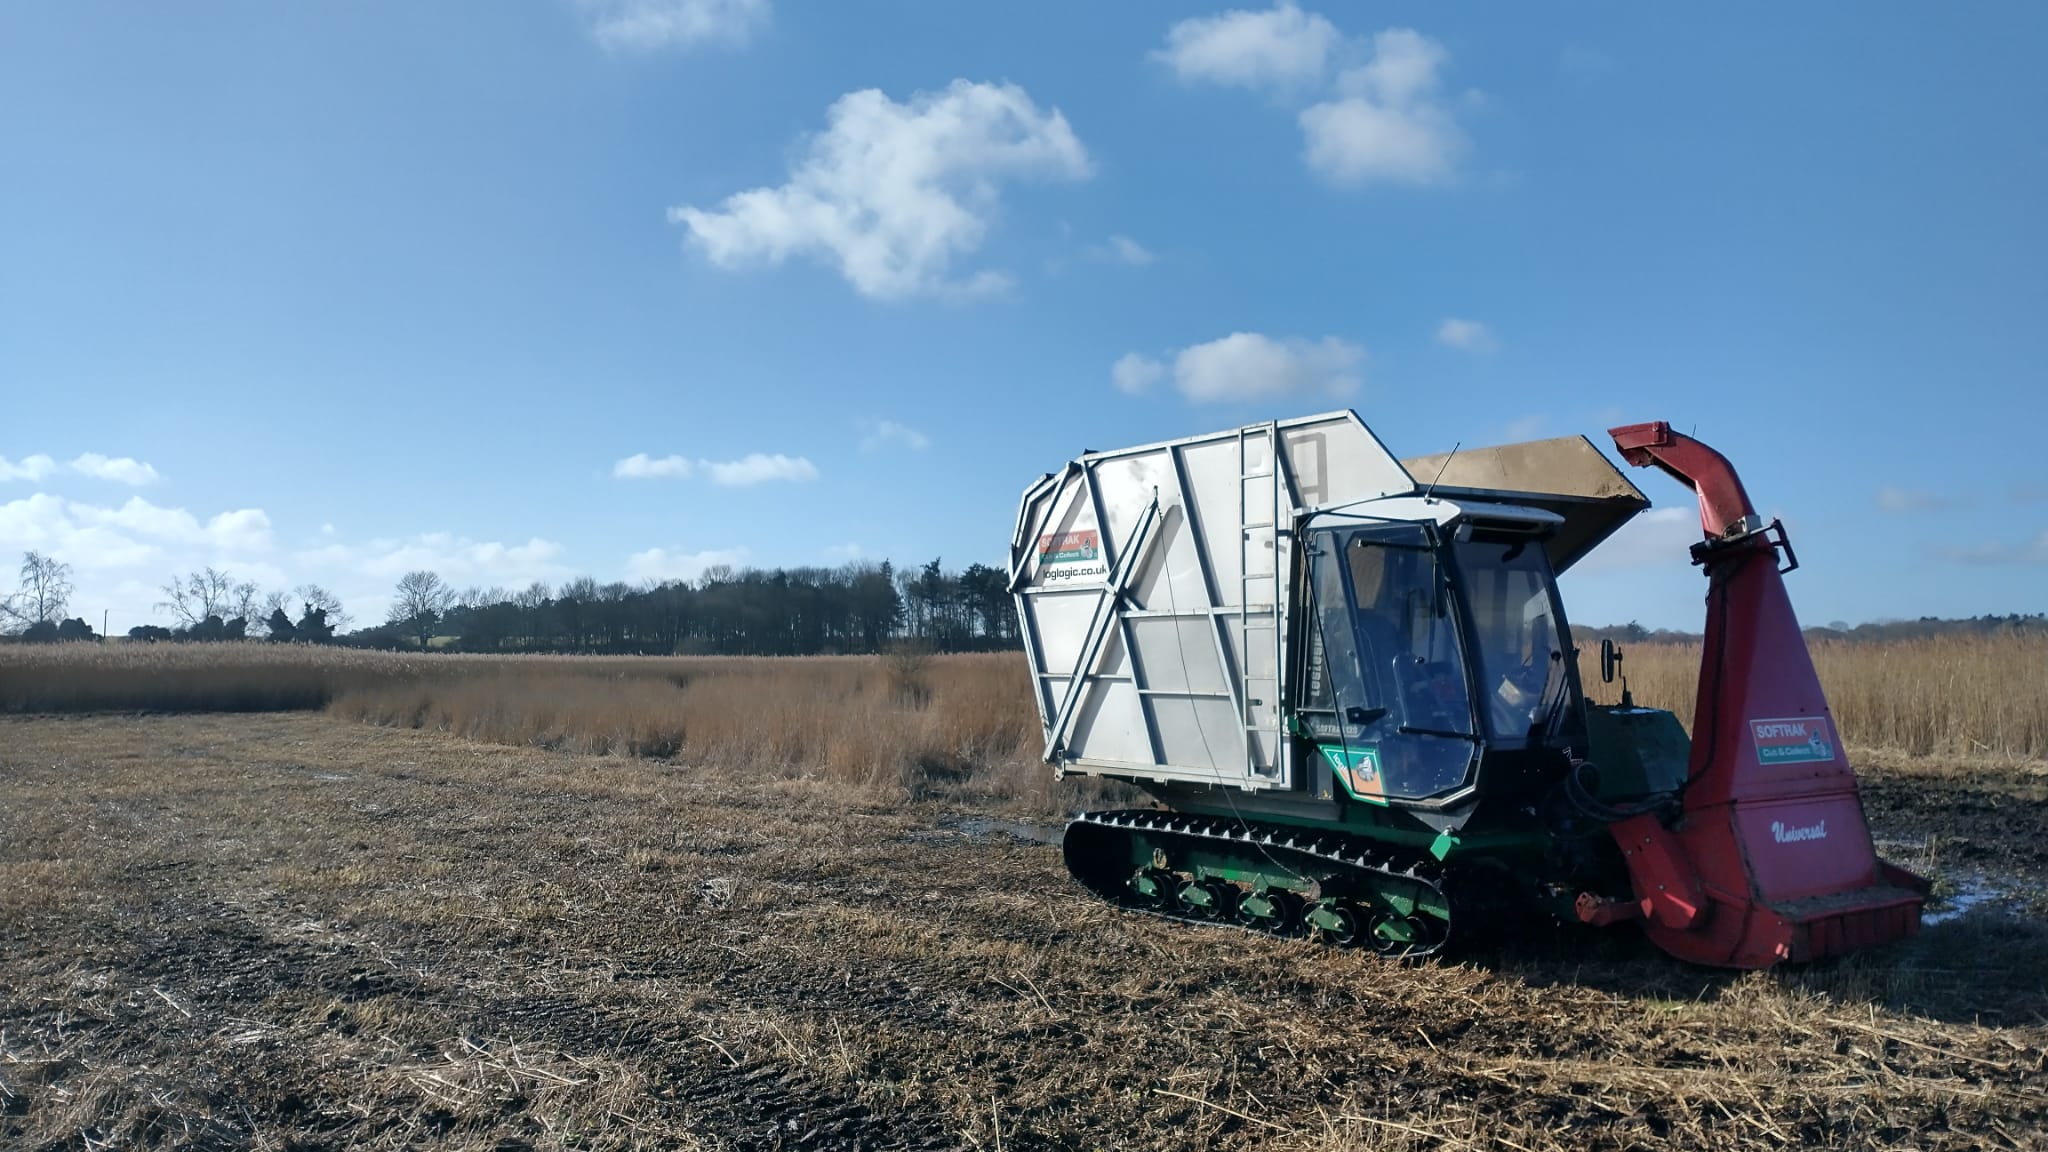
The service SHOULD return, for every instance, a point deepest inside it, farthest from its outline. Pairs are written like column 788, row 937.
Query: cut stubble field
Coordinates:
column 300, row 930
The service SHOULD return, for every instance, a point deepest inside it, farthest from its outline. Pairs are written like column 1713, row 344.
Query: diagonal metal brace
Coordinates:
column 1127, row 561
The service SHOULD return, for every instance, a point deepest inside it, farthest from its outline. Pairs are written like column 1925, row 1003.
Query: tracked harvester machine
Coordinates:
column 1349, row 683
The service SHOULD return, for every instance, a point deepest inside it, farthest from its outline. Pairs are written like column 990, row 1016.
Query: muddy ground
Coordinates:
column 292, row 932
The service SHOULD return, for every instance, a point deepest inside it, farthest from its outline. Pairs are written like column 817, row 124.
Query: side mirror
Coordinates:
column 1610, row 661
column 1363, row 716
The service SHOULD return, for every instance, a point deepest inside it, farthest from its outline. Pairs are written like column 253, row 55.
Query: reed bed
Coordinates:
column 911, row 721
column 940, row 723
column 127, row 677
column 1953, row 697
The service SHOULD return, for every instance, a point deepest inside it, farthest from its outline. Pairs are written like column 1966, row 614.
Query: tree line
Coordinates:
column 855, row 608
column 1874, row 632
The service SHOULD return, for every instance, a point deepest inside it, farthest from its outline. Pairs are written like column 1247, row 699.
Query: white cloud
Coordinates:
column 32, row 469
column 893, row 193
column 1904, row 502
column 663, row 564
column 1470, row 335
column 1125, row 250
column 35, row 523
column 1382, row 121
column 641, row 466
column 1388, row 125
column 243, row 530
column 1660, row 536
column 648, row 25
column 1280, row 47
column 120, row 554
column 843, row 553
column 1133, row 372
column 143, row 518
column 121, row 470
column 1525, row 428
column 888, row 433
column 759, row 468
column 1250, row 366
column 2000, row 552
column 756, row 468
column 458, row 559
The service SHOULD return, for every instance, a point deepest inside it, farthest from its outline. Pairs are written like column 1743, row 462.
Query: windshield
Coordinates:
column 1515, row 636
column 1386, row 675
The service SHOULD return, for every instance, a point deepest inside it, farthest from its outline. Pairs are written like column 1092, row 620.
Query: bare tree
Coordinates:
column 418, row 603
column 45, row 587
column 247, row 602
column 533, row 597
column 275, row 604
column 314, row 596
column 197, row 595
column 44, row 594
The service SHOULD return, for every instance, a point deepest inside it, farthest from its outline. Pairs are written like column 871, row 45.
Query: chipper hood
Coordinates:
column 1769, row 858
column 1566, row 475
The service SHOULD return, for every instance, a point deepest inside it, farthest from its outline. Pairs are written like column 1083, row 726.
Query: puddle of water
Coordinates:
column 988, row 828
column 1960, row 892
column 1971, row 892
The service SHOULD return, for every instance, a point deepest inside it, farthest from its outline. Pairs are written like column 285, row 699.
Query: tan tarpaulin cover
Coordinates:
column 1567, row 476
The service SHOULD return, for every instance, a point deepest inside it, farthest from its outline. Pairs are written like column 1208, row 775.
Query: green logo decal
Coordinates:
column 1795, row 740
column 1358, row 769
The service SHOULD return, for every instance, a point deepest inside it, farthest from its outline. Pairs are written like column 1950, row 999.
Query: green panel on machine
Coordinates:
column 1358, row 769
column 1639, row 751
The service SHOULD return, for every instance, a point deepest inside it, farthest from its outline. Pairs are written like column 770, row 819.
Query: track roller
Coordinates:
column 1274, row 910
column 1333, row 921
column 1209, row 899
column 1152, row 888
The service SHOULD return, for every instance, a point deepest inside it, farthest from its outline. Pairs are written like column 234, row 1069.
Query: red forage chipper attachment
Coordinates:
column 1770, row 858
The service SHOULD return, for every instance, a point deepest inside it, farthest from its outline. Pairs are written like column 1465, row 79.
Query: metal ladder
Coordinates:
column 1267, row 621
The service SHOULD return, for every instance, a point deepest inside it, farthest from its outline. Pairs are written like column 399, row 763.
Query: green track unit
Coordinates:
column 1341, row 888
column 1392, row 827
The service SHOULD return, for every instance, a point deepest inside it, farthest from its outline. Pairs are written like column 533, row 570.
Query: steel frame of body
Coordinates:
column 1056, row 721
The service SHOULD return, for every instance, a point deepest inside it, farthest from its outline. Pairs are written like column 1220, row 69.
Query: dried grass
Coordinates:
column 967, row 728
column 1956, row 697
column 131, row 677
column 293, row 931
column 910, row 722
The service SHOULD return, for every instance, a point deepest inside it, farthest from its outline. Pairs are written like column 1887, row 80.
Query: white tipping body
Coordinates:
column 1153, row 588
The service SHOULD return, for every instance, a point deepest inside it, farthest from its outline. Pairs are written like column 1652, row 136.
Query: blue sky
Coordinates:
column 326, row 291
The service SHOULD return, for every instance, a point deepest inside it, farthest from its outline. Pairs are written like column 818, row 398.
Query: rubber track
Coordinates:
column 1331, row 849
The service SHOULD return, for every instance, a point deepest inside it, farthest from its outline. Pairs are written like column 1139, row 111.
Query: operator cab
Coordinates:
column 1434, row 647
